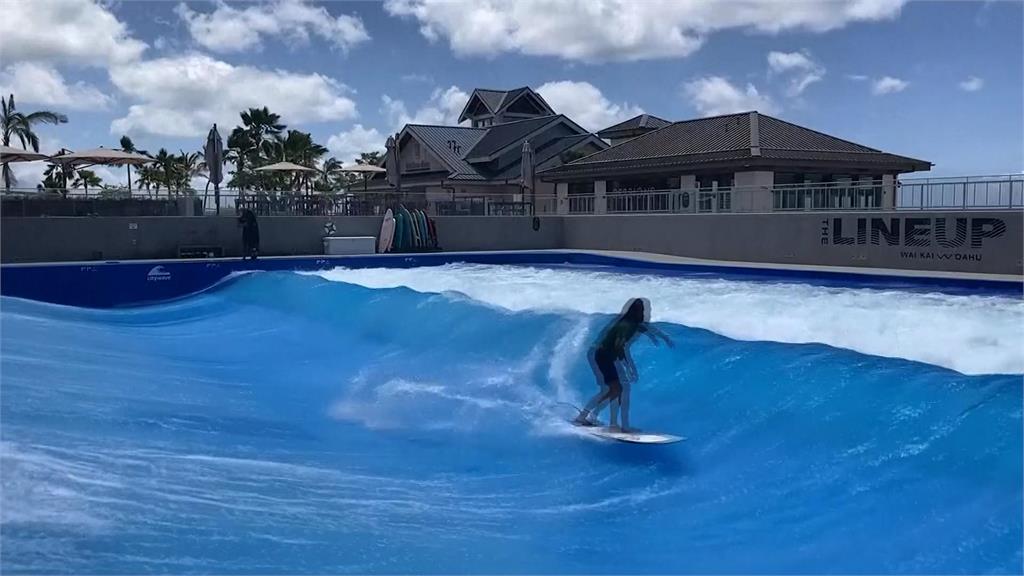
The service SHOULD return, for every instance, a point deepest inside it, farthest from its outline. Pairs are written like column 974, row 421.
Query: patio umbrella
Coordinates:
column 213, row 153
column 285, row 167
column 394, row 173
column 9, row 154
column 101, row 156
column 527, row 171
column 104, row 156
column 366, row 170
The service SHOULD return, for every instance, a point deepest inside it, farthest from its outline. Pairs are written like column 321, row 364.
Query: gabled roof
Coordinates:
column 636, row 123
column 501, row 135
column 548, row 152
column 437, row 138
column 498, row 100
column 748, row 136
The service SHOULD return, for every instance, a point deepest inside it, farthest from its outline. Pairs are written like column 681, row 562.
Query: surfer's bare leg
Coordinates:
column 624, row 404
column 594, row 405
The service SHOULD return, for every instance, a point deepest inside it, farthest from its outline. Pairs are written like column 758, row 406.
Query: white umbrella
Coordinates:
column 285, row 167
column 8, row 154
column 367, row 170
column 106, row 156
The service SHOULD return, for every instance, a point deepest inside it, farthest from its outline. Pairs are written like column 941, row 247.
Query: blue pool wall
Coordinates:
column 115, row 284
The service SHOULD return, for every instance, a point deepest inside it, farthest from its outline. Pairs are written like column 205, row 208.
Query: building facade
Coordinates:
column 478, row 168
column 736, row 162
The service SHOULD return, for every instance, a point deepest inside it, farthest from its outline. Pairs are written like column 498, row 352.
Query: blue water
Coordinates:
column 288, row 423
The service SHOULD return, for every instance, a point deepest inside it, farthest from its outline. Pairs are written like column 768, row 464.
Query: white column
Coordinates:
column 562, row 197
column 888, row 192
column 753, row 191
column 600, row 197
column 688, row 184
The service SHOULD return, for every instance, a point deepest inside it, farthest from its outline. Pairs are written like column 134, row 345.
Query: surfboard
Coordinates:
column 407, row 242
column 387, row 232
column 638, row 437
column 398, row 240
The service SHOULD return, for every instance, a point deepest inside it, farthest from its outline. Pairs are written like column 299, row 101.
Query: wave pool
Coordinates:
column 413, row 420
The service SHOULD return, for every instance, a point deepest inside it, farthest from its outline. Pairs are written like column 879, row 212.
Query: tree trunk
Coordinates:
column 129, row 167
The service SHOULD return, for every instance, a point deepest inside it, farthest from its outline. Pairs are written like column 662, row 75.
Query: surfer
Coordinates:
column 610, row 352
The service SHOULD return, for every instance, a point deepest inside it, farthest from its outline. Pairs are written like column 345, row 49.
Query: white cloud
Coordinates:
column 229, row 29
column 714, row 95
column 348, row 144
column 42, row 84
column 972, row 84
column 183, row 96
column 443, row 107
column 585, row 104
column 79, row 32
column 598, row 30
column 888, row 85
column 799, row 67
column 857, row 77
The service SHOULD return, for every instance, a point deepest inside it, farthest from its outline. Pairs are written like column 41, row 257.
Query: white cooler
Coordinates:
column 344, row 245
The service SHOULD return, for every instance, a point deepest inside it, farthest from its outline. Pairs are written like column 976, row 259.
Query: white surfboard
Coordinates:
column 638, row 437
column 387, row 232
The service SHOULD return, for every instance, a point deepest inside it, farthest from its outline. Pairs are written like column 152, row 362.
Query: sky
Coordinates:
column 939, row 81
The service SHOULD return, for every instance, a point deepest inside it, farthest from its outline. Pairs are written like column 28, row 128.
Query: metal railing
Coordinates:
column 965, row 193
column 910, row 194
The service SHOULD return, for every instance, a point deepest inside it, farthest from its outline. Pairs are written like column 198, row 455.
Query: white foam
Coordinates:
column 971, row 334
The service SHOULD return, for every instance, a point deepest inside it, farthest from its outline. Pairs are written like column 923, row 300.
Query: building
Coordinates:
column 747, row 161
column 478, row 168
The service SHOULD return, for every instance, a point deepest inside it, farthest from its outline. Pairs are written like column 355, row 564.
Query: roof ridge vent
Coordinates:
column 755, row 135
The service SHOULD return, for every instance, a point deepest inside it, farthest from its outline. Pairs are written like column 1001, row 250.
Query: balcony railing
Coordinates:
column 973, row 193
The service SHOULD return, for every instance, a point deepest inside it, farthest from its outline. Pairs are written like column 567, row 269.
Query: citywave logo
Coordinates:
column 158, row 274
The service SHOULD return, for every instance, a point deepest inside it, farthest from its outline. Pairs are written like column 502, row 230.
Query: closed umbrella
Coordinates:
column 213, row 154
column 394, row 172
column 527, row 168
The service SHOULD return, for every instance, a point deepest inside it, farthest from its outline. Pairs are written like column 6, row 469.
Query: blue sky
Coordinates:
column 941, row 81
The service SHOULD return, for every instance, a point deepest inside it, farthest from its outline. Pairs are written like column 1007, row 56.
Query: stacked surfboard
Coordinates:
column 407, row 231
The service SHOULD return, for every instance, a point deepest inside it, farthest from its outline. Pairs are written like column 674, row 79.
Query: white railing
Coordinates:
column 988, row 192
column 581, row 204
column 972, row 192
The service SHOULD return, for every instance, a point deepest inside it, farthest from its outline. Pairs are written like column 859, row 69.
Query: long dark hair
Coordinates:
column 635, row 312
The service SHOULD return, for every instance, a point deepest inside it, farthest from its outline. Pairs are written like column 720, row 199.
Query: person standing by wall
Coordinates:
column 250, row 234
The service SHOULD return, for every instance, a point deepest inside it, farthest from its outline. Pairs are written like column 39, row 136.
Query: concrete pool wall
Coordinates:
column 989, row 242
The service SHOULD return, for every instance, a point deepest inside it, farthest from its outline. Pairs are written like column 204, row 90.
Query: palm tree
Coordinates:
column 19, row 125
column 263, row 127
column 56, row 176
column 240, row 147
column 190, row 165
column 128, row 146
column 297, row 147
column 372, row 158
column 332, row 174
column 86, row 178
column 166, row 170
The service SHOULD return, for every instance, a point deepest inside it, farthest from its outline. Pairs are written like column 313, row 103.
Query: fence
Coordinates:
column 911, row 194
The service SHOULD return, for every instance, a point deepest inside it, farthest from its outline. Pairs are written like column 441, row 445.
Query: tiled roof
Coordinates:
column 492, row 98
column 501, row 135
column 636, row 123
column 730, row 137
column 784, row 135
column 547, row 152
column 436, row 138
